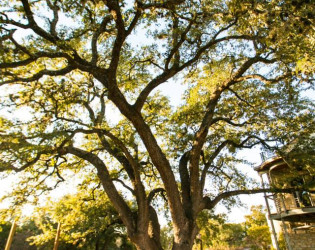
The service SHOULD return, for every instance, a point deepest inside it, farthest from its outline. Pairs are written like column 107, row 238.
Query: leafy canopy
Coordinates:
column 68, row 67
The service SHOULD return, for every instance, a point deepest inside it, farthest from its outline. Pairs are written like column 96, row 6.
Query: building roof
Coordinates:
column 272, row 163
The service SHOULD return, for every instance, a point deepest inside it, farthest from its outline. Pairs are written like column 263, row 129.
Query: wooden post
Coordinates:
column 269, row 214
column 57, row 237
column 11, row 234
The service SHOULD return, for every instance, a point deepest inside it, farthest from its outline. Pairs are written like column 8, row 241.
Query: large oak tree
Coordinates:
column 65, row 64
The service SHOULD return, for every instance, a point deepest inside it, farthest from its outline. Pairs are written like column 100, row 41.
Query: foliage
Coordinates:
column 4, row 233
column 81, row 96
column 282, row 243
column 217, row 233
column 258, row 232
column 166, row 236
column 22, row 232
column 88, row 221
column 85, row 224
column 301, row 151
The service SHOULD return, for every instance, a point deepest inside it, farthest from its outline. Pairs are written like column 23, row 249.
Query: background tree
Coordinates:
column 87, row 223
column 257, row 229
column 217, row 233
column 23, row 231
column 4, row 233
column 65, row 63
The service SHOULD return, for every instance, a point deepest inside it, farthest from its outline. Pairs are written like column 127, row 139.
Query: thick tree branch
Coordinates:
column 132, row 168
column 53, row 23
column 110, row 189
column 34, row 26
column 158, row 157
column 185, row 182
column 33, row 58
column 39, row 75
column 167, row 74
column 160, row 4
column 114, row 9
column 96, row 35
column 100, row 116
column 264, row 79
column 4, row 166
column 229, row 121
column 210, row 204
column 153, row 193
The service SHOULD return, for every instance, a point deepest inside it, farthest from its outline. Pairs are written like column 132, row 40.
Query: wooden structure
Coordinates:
column 296, row 210
column 56, row 243
column 11, row 234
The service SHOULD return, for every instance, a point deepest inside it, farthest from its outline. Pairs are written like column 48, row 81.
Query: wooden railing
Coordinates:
column 298, row 199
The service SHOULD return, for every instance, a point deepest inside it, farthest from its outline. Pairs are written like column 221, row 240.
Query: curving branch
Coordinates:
column 207, row 121
column 114, row 9
column 4, row 165
column 153, row 193
column 240, row 98
column 264, row 79
column 167, row 74
column 210, row 161
column 40, row 74
column 177, row 44
column 135, row 19
column 34, row 26
column 185, row 181
column 55, row 20
column 125, row 159
column 124, row 185
column 7, row 20
column 200, row 136
column 52, row 35
column 100, row 116
column 132, row 167
column 96, row 35
column 160, row 4
column 229, row 121
column 32, row 57
column 110, row 189
column 225, row 143
column 211, row 203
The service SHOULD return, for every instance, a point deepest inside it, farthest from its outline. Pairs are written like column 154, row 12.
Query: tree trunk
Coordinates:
column 144, row 242
column 184, row 243
column 184, row 239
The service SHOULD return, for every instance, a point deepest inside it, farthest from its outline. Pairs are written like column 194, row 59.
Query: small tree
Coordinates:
column 258, row 232
column 216, row 233
column 85, row 223
column 66, row 63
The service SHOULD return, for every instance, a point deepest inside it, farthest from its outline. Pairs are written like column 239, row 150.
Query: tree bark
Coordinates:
column 186, row 237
